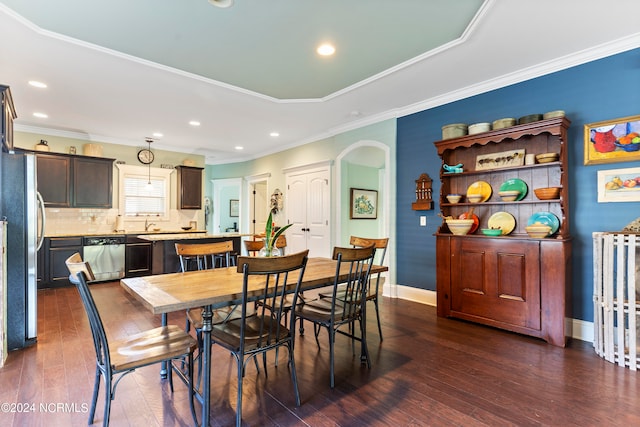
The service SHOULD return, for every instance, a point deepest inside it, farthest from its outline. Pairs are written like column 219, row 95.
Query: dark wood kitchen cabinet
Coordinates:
column 513, row 281
column 189, row 187
column 7, row 118
column 56, row 252
column 138, row 257
column 68, row 181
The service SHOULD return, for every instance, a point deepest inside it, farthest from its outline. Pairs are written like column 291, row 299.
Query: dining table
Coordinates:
column 221, row 287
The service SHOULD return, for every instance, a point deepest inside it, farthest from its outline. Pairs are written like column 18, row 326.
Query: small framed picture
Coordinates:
column 234, row 208
column 364, row 204
column 619, row 185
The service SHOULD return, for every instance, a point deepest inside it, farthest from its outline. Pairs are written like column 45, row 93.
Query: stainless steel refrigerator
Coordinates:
column 23, row 209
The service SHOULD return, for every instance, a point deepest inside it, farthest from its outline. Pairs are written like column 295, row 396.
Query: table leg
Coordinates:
column 207, row 315
column 163, row 365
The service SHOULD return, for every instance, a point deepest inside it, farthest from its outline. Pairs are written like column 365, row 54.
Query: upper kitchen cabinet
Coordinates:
column 8, row 116
column 189, row 187
column 68, row 181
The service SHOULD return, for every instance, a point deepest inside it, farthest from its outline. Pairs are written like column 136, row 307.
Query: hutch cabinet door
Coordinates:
column 496, row 280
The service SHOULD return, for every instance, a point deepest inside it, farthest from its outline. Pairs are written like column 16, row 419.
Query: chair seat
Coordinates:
column 319, row 310
column 228, row 333
column 150, row 346
column 287, row 304
column 340, row 293
column 220, row 315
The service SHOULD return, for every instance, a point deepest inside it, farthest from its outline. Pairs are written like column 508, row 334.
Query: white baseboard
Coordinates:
column 582, row 330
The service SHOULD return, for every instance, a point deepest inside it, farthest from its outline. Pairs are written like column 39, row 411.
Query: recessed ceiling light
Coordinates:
column 38, row 84
column 326, row 49
column 239, row 147
column 274, row 134
column 40, row 115
column 194, row 123
column 158, row 135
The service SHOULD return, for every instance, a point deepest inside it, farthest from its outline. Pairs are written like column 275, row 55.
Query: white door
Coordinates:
column 308, row 211
column 258, row 216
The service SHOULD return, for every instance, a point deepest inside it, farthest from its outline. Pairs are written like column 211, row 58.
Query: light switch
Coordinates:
column 423, row 221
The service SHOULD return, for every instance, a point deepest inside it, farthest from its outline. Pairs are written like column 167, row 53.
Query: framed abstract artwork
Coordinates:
column 612, row 141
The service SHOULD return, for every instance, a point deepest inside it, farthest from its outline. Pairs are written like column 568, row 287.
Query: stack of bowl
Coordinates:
column 459, row 227
column 504, row 123
column 479, row 128
column 454, row 130
column 509, row 195
column 538, row 230
column 474, row 198
column 454, row 198
column 547, row 157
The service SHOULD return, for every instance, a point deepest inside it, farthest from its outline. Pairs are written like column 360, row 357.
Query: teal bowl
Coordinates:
column 492, row 231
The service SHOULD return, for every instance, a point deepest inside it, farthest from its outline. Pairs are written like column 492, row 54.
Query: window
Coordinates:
column 138, row 198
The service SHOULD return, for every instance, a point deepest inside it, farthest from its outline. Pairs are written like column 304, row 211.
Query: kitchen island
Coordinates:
column 163, row 251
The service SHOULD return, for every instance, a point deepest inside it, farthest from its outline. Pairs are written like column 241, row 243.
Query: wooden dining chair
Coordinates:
column 281, row 243
column 258, row 331
column 117, row 358
column 345, row 307
column 253, row 246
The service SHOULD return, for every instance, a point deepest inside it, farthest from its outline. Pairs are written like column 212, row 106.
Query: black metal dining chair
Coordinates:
column 373, row 286
column 346, row 306
column 117, row 358
column 260, row 330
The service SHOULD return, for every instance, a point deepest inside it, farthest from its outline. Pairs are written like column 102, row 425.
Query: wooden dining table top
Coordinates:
column 165, row 293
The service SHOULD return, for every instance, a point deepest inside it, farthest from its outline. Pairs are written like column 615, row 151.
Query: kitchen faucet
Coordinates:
column 147, row 224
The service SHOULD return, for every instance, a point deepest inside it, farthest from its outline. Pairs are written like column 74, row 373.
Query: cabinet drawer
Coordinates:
column 61, row 242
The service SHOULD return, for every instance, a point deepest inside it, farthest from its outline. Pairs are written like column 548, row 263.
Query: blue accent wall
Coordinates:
column 605, row 89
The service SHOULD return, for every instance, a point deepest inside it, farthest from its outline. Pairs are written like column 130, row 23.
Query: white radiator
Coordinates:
column 616, row 297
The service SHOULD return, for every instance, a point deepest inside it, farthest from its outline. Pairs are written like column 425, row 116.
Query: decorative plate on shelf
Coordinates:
column 515, row 184
column 502, row 220
column 482, row 188
column 546, row 218
column 474, row 217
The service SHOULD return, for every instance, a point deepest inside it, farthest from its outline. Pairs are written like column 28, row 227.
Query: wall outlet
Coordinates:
column 423, row 221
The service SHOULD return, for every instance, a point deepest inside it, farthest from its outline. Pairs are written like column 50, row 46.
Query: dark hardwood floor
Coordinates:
column 427, row 371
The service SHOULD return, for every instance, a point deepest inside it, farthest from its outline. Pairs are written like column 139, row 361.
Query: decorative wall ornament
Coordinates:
column 276, row 201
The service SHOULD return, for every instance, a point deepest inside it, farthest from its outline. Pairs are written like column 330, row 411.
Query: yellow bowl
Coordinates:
column 474, row 198
column 538, row 230
column 509, row 195
column 454, row 198
column 459, row 227
column 547, row 193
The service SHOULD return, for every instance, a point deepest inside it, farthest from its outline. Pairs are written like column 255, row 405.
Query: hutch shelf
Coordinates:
column 513, row 281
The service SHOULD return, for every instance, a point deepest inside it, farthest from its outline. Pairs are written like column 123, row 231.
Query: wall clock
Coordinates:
column 145, row 156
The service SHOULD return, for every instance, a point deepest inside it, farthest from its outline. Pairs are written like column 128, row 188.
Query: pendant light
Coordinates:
column 149, row 186
column 222, row 3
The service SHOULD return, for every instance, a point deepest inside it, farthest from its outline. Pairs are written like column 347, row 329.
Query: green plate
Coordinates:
column 515, row 184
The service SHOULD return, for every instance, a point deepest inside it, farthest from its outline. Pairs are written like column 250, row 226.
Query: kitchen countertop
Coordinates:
column 186, row 236
column 125, row 233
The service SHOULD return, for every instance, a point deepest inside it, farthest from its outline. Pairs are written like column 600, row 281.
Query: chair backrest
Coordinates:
column 253, row 246
column 203, row 254
column 380, row 245
column 352, row 276
column 281, row 243
column 80, row 273
column 273, row 277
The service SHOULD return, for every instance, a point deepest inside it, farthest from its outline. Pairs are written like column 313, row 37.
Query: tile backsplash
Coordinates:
column 95, row 221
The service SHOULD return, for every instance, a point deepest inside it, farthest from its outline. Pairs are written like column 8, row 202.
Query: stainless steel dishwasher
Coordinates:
column 105, row 255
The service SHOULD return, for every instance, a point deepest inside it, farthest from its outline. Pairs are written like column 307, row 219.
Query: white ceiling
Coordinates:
column 118, row 71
